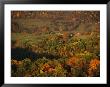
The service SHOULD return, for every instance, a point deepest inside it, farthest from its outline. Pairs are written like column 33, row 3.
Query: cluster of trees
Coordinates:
column 55, row 44
column 71, row 67
column 60, row 55
column 61, row 44
column 84, row 15
column 36, row 21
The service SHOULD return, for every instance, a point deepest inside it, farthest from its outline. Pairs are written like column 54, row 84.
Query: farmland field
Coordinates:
column 55, row 43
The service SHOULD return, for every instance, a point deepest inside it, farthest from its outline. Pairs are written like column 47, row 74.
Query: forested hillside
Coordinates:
column 55, row 43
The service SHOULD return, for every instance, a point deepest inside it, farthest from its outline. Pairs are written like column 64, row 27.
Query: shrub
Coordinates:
column 94, row 68
column 77, row 65
column 86, row 55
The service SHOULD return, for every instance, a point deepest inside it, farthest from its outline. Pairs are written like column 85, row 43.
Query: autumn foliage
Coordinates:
column 94, row 67
column 55, row 43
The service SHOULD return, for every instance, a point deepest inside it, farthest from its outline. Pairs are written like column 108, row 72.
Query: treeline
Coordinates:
column 66, row 15
column 50, row 21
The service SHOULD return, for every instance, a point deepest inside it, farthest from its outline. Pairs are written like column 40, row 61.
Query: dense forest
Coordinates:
column 55, row 43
